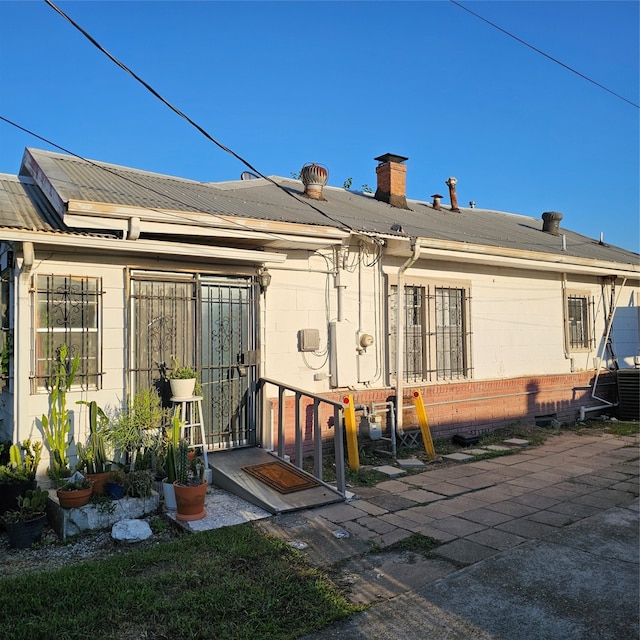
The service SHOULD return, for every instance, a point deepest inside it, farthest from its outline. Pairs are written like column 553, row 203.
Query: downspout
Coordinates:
column 400, row 334
column 565, row 319
column 23, row 318
column 604, row 403
column 340, row 291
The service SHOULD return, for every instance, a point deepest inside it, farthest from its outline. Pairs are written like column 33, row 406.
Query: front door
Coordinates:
column 206, row 321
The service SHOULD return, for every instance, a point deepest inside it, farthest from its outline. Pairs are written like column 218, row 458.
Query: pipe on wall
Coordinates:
column 400, row 333
column 604, row 403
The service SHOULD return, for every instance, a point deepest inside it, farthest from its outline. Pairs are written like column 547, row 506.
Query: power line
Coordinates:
column 146, row 187
column 546, row 55
column 149, row 88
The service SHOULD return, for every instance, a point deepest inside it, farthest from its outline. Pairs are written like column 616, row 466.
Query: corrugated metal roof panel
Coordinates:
column 259, row 199
column 23, row 206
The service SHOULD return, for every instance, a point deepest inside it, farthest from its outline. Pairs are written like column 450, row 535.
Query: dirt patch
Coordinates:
column 53, row 553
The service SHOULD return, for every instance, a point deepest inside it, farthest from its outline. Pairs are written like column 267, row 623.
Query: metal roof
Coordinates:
column 99, row 182
column 23, row 206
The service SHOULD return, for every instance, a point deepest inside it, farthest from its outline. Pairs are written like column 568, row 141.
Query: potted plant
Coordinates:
column 182, row 379
column 75, row 492
column 19, row 474
column 132, row 433
column 92, row 457
column 190, row 486
column 116, row 484
column 173, row 443
column 25, row 524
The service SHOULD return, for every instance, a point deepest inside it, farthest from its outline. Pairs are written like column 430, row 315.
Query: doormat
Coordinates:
column 280, row 476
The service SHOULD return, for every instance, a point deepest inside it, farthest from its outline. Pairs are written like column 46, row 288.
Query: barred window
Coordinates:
column 67, row 311
column 437, row 337
column 578, row 322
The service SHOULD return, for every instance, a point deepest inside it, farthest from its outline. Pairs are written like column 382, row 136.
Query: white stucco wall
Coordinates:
column 516, row 317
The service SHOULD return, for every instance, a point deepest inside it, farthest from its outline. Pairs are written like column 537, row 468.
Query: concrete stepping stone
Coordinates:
column 411, row 463
column 497, row 447
column 392, row 472
column 518, row 442
column 457, row 457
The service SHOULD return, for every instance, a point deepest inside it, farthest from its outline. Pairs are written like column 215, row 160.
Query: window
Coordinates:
column 67, row 311
column 436, row 332
column 578, row 322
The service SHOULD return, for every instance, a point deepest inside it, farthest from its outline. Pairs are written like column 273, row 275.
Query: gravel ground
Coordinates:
column 53, row 553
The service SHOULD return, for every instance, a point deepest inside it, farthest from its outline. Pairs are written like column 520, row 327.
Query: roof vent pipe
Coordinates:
column 392, row 180
column 436, row 201
column 451, row 183
column 551, row 222
column 314, row 177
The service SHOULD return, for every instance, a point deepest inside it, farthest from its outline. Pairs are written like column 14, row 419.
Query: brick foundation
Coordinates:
column 470, row 407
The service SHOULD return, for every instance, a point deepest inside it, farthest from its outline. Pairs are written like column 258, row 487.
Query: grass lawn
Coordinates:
column 230, row 583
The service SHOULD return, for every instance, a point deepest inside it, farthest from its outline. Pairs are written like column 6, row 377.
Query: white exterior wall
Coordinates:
column 517, row 319
column 303, row 295
column 28, row 407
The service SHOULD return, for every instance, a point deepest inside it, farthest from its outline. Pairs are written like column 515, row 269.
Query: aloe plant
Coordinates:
column 57, row 425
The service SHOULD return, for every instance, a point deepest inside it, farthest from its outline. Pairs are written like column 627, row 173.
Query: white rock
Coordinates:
column 131, row 531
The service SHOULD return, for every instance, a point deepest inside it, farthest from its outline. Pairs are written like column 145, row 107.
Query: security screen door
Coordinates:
column 206, row 321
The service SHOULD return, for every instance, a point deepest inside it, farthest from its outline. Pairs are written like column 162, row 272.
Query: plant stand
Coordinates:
column 192, row 422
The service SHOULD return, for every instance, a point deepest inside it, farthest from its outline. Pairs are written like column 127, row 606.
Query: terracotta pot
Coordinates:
column 75, row 498
column 190, row 501
column 23, row 534
column 99, row 482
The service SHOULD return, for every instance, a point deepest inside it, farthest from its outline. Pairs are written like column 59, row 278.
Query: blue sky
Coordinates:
column 338, row 83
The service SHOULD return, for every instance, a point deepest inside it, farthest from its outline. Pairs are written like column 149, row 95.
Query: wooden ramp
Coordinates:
column 251, row 475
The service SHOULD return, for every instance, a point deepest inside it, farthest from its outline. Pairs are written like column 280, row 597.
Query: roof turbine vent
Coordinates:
column 551, row 222
column 314, row 177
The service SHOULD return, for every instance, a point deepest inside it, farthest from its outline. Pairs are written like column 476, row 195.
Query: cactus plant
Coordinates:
column 23, row 462
column 57, row 425
column 182, row 466
column 93, row 455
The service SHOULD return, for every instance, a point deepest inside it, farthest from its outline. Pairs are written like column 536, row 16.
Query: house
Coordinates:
column 495, row 318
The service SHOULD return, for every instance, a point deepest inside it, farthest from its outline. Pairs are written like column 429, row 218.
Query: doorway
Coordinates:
column 209, row 322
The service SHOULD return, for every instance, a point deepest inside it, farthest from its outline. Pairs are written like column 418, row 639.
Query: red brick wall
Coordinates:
column 471, row 406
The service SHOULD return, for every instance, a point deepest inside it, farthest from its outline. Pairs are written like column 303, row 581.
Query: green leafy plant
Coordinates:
column 117, row 476
column 30, row 506
column 181, row 372
column 134, row 429
column 57, row 425
column 22, row 464
column 6, row 354
column 139, row 483
column 77, row 484
column 93, row 455
column 102, row 503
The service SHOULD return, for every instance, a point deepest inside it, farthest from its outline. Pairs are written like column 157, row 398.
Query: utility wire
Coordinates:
column 546, row 55
column 146, row 187
column 184, row 116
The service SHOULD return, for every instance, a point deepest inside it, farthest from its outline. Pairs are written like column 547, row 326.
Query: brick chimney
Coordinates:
column 392, row 180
